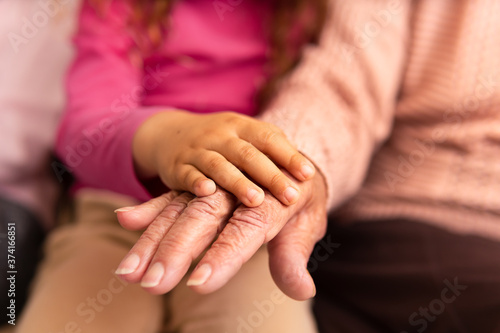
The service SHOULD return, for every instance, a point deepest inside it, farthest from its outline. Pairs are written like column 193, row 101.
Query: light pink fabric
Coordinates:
column 208, row 62
column 399, row 107
column 35, row 51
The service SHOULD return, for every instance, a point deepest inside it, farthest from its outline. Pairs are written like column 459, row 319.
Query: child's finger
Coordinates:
column 189, row 178
column 272, row 141
column 226, row 175
column 261, row 169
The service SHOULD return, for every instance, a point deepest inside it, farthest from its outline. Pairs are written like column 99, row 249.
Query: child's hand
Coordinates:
column 191, row 151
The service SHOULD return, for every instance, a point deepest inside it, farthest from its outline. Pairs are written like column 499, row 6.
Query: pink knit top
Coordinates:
column 397, row 106
column 210, row 60
column 400, row 108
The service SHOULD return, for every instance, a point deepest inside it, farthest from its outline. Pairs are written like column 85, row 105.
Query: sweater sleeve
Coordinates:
column 338, row 104
column 105, row 89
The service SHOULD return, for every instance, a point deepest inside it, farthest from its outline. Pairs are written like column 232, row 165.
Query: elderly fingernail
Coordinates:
column 153, row 276
column 200, row 275
column 307, row 171
column 128, row 265
column 313, row 285
column 124, row 209
column 291, row 194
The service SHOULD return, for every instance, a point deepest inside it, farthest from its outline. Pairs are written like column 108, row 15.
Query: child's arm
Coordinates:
column 103, row 108
column 190, row 152
column 104, row 114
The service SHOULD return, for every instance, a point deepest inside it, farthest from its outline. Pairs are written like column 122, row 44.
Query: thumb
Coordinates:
column 289, row 253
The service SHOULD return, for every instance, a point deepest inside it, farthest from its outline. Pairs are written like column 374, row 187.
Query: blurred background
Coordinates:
column 35, row 51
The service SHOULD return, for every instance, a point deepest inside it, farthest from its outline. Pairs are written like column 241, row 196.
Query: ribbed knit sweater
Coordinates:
column 399, row 107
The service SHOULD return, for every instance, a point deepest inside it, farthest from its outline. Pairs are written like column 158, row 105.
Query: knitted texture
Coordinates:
column 398, row 107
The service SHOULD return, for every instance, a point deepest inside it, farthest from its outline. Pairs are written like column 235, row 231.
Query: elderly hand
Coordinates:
column 180, row 227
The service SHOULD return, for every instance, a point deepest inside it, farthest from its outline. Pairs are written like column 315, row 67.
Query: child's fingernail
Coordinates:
column 209, row 186
column 291, row 194
column 124, row 209
column 253, row 195
column 153, row 276
column 128, row 265
column 200, row 275
column 307, row 171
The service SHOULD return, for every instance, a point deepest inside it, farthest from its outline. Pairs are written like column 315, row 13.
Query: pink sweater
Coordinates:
column 210, row 61
column 398, row 107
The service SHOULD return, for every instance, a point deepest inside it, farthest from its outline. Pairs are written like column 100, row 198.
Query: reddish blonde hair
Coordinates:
column 294, row 23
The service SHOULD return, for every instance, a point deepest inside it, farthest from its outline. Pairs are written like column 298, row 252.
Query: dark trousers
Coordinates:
column 22, row 229
column 405, row 277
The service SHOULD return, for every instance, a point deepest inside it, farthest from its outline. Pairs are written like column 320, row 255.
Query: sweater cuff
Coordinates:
column 310, row 121
column 124, row 176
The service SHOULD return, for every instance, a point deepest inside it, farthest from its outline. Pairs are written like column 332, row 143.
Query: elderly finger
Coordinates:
column 140, row 216
column 290, row 250
column 134, row 265
column 244, row 234
column 193, row 231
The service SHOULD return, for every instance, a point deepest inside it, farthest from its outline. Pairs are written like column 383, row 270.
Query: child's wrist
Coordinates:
column 146, row 140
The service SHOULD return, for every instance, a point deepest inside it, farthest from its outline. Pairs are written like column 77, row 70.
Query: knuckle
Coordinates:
column 276, row 129
column 231, row 118
column 212, row 163
column 150, row 236
column 270, row 138
column 276, row 180
column 233, row 143
column 302, row 246
column 172, row 212
column 296, row 159
column 157, row 203
column 251, row 218
column 239, row 184
column 172, row 248
column 248, row 153
column 214, row 208
column 201, row 207
column 205, row 136
column 226, row 252
column 169, row 196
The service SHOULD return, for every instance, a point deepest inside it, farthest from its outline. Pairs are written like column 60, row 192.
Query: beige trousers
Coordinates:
column 76, row 290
